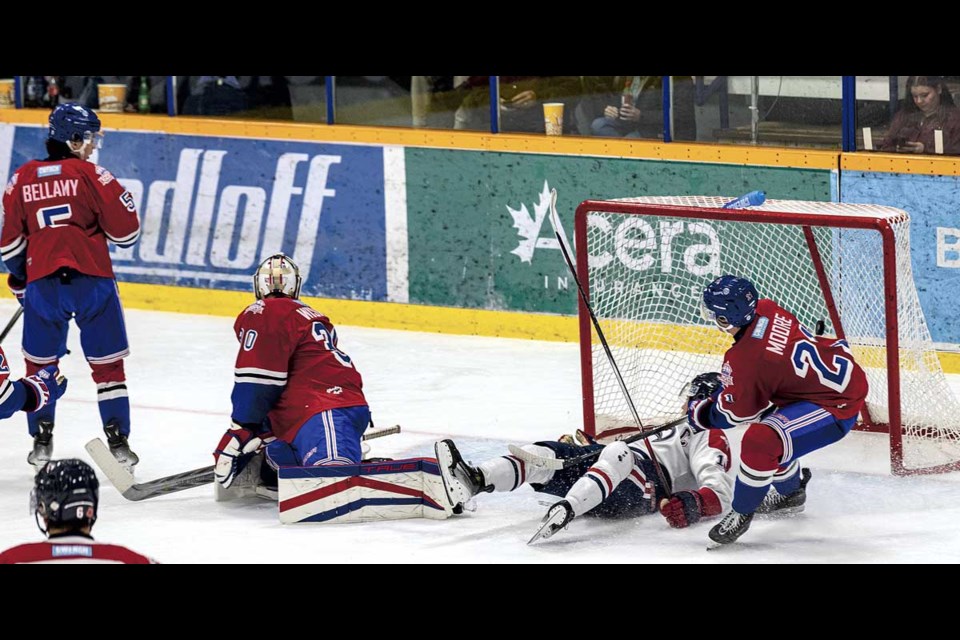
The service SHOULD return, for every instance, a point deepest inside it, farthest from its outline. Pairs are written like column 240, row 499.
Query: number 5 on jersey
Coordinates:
column 51, row 216
column 329, row 341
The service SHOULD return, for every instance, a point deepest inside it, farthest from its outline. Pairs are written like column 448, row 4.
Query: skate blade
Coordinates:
column 714, row 546
column 781, row 514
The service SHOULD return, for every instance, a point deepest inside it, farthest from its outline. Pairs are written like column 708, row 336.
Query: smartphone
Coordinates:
column 626, row 100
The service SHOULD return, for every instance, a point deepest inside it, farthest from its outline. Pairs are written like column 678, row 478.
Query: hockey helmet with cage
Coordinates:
column 65, row 494
column 729, row 301
column 277, row 275
column 72, row 122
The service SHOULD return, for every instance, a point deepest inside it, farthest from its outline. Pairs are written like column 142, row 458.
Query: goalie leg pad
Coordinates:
column 392, row 490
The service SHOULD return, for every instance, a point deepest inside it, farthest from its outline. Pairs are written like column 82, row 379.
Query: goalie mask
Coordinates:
column 277, row 275
column 65, row 493
column 729, row 301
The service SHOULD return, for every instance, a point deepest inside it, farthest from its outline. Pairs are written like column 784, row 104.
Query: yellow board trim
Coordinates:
column 900, row 163
column 467, row 140
column 381, row 315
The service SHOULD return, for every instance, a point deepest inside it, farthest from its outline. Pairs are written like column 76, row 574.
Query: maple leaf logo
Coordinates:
column 528, row 227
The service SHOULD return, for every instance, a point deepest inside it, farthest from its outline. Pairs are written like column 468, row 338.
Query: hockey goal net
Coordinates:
column 842, row 269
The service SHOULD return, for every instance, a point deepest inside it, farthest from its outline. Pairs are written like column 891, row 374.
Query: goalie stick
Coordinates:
column 123, row 480
column 568, row 258
column 565, row 463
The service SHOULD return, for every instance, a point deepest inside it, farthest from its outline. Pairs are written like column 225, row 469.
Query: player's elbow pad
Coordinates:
column 718, row 420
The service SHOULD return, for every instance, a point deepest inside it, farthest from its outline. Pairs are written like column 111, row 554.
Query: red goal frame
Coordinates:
column 806, row 221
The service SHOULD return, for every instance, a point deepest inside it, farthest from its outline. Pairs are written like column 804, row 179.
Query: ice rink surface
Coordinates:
column 482, row 392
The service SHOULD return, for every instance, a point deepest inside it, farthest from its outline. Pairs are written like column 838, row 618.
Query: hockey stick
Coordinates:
column 13, row 321
column 568, row 257
column 124, row 482
column 565, row 463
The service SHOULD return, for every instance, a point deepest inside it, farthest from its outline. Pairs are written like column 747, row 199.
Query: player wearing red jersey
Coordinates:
column 294, row 389
column 64, row 502
column 58, row 215
column 795, row 391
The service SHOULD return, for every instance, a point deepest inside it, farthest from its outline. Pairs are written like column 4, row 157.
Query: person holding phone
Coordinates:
column 637, row 110
column 927, row 108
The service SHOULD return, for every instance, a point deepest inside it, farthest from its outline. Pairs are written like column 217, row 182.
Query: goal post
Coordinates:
column 844, row 267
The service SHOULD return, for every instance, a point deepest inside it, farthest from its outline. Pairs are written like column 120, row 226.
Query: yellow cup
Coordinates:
column 112, row 97
column 553, row 118
column 6, row 93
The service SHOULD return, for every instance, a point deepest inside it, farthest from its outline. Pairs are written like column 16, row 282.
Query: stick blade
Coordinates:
column 115, row 472
column 535, row 460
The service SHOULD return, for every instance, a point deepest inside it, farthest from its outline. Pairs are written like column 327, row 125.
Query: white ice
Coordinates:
column 483, row 393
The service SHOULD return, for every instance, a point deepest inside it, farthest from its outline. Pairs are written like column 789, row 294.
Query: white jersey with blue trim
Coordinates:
column 693, row 459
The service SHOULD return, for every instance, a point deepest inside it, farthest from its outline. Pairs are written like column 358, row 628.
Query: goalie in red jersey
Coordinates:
column 294, row 388
column 794, row 391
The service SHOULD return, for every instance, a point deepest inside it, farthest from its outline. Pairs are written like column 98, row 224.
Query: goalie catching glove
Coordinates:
column 237, row 447
column 687, row 507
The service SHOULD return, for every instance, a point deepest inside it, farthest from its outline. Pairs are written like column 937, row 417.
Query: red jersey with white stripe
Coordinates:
column 284, row 343
column 72, row 549
column 777, row 361
column 61, row 213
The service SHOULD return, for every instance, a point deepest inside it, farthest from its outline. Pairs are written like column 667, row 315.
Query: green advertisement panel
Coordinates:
column 479, row 233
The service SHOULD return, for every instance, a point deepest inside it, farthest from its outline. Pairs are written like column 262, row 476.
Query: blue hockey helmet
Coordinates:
column 65, row 493
column 729, row 301
column 72, row 122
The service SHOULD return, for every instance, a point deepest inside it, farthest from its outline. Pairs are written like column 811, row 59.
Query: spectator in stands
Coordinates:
column 632, row 107
column 521, row 101
column 216, row 96
column 435, row 99
column 927, row 108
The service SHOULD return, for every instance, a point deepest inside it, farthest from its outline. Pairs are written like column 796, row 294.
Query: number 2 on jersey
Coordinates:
column 321, row 335
column 837, row 377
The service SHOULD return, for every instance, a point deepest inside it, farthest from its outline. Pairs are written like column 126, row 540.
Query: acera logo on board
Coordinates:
column 635, row 242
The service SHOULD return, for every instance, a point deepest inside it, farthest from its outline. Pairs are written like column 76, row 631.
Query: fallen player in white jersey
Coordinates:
column 618, row 480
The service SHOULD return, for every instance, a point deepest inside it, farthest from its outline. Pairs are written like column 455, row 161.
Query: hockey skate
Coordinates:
column 119, row 447
column 730, row 528
column 460, row 480
column 558, row 517
column 775, row 505
column 42, row 445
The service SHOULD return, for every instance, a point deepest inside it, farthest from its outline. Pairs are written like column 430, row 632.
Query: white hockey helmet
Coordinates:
column 277, row 275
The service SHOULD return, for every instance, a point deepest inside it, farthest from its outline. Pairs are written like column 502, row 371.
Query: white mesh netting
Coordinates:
column 647, row 272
